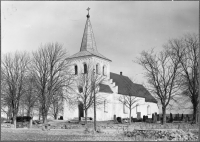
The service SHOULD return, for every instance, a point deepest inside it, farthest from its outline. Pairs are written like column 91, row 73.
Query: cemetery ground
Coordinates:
column 60, row 130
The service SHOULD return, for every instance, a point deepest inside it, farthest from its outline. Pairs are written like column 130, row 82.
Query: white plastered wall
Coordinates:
column 114, row 107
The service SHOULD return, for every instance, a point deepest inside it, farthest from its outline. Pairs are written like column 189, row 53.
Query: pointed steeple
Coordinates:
column 88, row 40
column 88, row 45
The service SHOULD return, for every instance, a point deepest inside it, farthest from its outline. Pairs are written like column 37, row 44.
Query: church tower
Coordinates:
column 89, row 55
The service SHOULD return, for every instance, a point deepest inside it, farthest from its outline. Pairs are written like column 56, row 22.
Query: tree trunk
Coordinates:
column 194, row 113
column 28, row 112
column 45, row 119
column 55, row 116
column 130, row 117
column 31, row 122
column 164, row 115
column 14, row 120
column 95, row 127
column 39, row 114
column 85, row 117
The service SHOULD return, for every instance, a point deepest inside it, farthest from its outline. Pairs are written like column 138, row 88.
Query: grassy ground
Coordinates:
column 108, row 131
column 58, row 135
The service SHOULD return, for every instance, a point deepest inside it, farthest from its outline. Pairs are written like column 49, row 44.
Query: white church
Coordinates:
column 112, row 88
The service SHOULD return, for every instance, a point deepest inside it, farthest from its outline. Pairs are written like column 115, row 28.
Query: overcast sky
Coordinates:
column 122, row 29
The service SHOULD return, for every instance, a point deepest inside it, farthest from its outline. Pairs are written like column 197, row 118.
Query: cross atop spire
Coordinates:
column 88, row 40
column 88, row 9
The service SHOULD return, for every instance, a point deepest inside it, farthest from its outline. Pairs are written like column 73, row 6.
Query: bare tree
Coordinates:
column 189, row 46
column 129, row 100
column 52, row 72
column 14, row 71
column 30, row 97
column 5, row 99
column 88, row 88
column 57, row 104
column 162, row 71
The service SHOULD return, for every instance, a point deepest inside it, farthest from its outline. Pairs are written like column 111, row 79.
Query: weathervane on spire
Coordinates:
column 88, row 9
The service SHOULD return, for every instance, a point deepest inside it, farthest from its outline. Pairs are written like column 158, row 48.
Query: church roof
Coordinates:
column 126, row 86
column 88, row 44
column 105, row 88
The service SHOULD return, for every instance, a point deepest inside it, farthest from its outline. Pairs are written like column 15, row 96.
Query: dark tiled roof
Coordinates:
column 88, row 53
column 126, row 86
column 105, row 88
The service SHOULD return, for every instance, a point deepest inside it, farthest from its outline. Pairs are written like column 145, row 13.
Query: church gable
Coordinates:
column 126, row 86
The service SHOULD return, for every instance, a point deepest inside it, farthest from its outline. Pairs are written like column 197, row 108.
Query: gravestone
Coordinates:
column 153, row 118
column 182, row 117
column 115, row 119
column 143, row 118
column 146, row 118
column 119, row 119
column 138, row 115
column 158, row 117
column 171, row 118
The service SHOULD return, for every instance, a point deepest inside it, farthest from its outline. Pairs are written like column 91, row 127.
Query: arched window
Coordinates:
column 85, row 68
column 97, row 69
column 125, row 109
column 105, row 106
column 104, row 70
column 137, row 108
column 148, row 110
column 80, row 89
column 76, row 69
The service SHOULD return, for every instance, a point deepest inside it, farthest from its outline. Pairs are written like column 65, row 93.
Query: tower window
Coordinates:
column 76, row 69
column 97, row 69
column 104, row 70
column 137, row 108
column 125, row 108
column 105, row 106
column 85, row 68
column 148, row 110
column 80, row 89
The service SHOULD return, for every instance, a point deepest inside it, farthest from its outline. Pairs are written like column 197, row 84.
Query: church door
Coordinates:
column 80, row 110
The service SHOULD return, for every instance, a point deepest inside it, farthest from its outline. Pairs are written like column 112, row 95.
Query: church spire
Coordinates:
column 88, row 40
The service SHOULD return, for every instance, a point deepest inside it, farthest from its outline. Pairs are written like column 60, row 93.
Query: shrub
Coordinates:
column 23, row 118
column 119, row 119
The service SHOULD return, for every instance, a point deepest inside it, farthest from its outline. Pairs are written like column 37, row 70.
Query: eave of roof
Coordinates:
column 87, row 53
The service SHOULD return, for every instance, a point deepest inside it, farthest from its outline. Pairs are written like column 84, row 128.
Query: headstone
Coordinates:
column 158, row 117
column 61, row 117
column 115, row 120
column 119, row 119
column 146, row 118
column 171, row 118
column 153, row 118
column 182, row 117
column 143, row 118
column 138, row 115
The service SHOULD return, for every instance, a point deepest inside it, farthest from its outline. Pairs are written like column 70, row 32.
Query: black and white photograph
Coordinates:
column 100, row 70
